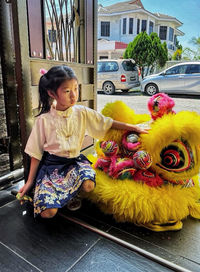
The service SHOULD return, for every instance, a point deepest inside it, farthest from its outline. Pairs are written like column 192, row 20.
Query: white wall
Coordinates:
column 116, row 26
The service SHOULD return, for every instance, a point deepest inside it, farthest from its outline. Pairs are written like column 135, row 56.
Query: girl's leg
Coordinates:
column 88, row 185
column 75, row 203
column 87, row 174
column 49, row 213
column 83, row 172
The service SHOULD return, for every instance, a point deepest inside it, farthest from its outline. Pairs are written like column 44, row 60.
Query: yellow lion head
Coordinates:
column 173, row 142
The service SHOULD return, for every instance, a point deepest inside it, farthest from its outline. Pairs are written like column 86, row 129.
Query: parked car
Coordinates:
column 121, row 74
column 182, row 78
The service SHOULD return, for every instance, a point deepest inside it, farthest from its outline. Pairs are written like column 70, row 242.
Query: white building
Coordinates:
column 122, row 22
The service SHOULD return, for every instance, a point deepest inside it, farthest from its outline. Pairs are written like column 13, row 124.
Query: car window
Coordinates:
column 193, row 69
column 100, row 67
column 181, row 69
column 111, row 66
column 129, row 66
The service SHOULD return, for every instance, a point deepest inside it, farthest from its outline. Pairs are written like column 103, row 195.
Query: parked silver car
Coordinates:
column 121, row 74
column 182, row 78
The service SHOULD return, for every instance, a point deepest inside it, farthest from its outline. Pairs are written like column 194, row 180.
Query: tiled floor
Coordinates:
column 180, row 247
column 28, row 244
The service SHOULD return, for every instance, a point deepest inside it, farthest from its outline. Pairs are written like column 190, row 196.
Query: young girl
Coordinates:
column 58, row 170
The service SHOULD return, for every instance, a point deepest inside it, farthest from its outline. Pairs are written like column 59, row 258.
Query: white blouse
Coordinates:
column 62, row 132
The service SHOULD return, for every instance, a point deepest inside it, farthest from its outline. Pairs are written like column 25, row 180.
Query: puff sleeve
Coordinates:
column 97, row 124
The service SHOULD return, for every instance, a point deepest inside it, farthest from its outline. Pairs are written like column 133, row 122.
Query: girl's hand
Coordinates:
column 141, row 130
column 25, row 189
column 28, row 185
column 24, row 198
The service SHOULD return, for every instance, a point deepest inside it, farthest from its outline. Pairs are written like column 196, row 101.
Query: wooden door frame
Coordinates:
column 18, row 70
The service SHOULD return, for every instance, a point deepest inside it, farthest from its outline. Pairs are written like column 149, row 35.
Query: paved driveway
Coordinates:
column 138, row 102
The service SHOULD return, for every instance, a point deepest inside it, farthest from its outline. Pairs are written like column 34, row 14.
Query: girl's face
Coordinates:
column 67, row 94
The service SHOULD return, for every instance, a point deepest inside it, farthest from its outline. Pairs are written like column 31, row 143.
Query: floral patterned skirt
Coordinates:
column 59, row 180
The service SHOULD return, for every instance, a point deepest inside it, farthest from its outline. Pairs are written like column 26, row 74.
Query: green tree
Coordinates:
column 178, row 45
column 147, row 51
column 155, row 50
column 188, row 54
column 163, row 56
column 177, row 54
column 159, row 51
column 196, row 42
column 140, row 50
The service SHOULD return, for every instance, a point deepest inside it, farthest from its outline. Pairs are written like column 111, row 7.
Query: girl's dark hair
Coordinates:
column 52, row 81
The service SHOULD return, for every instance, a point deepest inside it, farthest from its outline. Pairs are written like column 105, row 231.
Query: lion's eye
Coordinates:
column 177, row 157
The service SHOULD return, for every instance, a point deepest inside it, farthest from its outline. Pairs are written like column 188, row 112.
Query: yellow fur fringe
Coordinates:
column 119, row 111
column 130, row 201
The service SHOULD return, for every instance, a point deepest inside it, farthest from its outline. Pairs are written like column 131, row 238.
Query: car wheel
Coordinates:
column 108, row 87
column 125, row 91
column 151, row 89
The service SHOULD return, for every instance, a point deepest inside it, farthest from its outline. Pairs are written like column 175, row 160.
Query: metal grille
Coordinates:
column 62, row 30
column 4, row 140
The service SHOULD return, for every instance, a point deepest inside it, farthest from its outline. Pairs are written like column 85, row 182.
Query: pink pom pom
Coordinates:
column 130, row 143
column 160, row 104
column 103, row 164
column 121, row 168
column 43, row 71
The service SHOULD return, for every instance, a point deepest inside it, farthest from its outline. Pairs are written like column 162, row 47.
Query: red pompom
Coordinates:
column 142, row 160
column 149, row 178
column 109, row 148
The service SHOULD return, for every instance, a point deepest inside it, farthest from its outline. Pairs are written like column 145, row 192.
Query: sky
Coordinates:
column 186, row 11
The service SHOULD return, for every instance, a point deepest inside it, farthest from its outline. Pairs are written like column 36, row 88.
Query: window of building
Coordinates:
column 52, row 35
column 144, row 25
column 138, row 26
column 171, row 46
column 175, row 39
column 103, row 57
column 124, row 26
column 150, row 27
column 105, row 29
column 163, row 32
column 171, row 34
column 130, row 25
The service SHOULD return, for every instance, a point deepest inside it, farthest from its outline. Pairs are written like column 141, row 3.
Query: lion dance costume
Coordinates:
column 149, row 179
